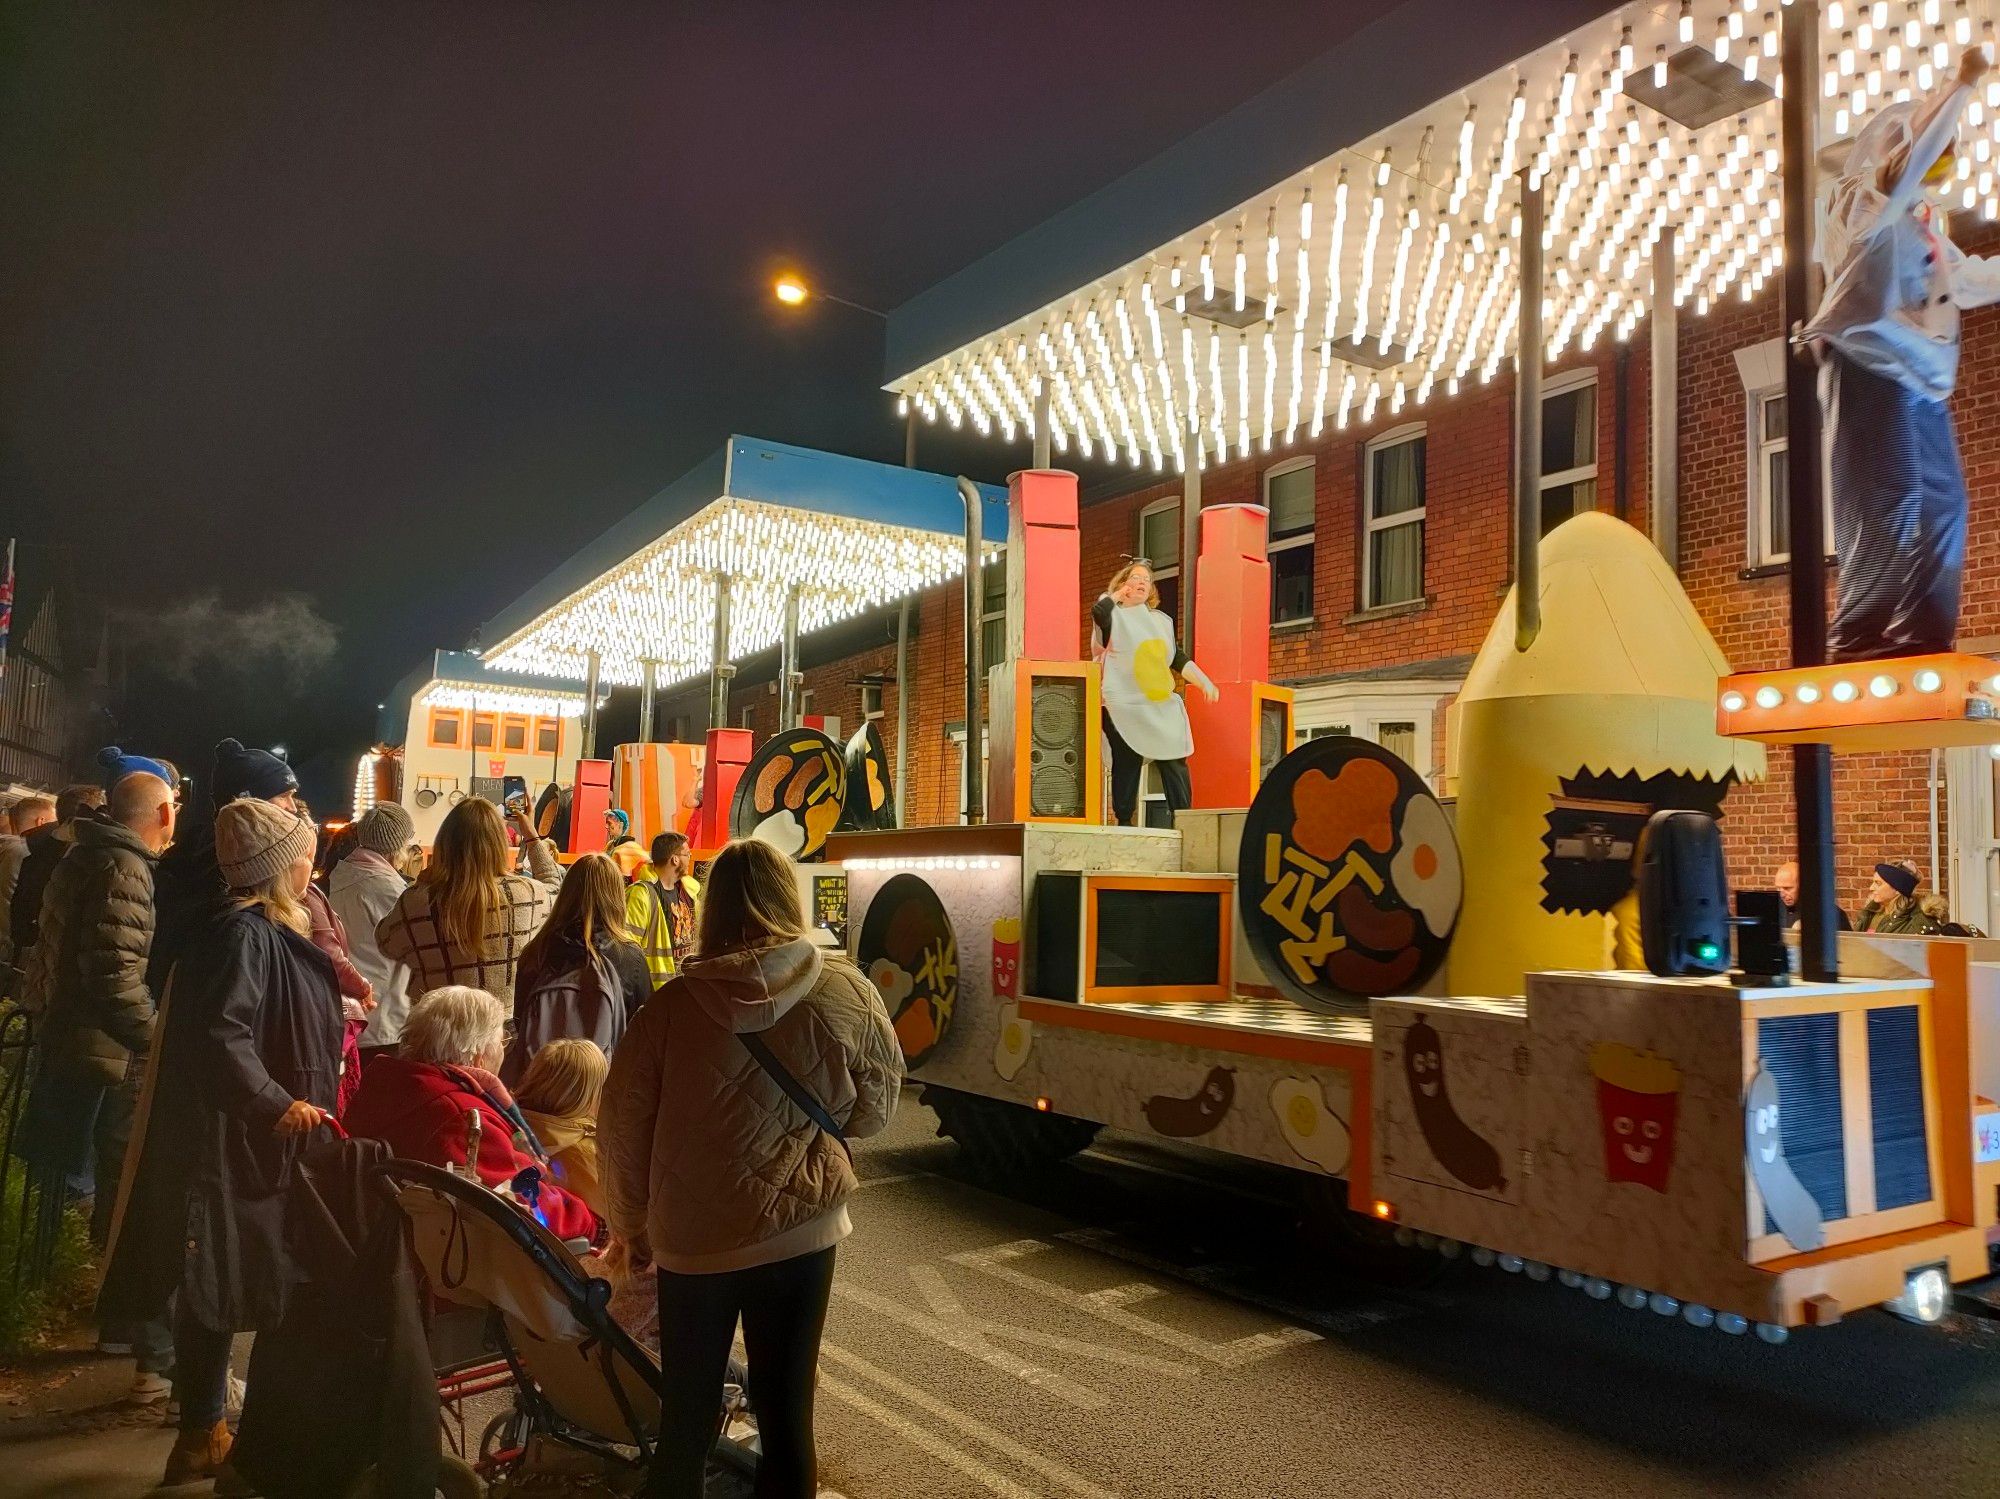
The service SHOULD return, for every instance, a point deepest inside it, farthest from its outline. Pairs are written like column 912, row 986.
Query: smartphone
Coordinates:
column 514, row 793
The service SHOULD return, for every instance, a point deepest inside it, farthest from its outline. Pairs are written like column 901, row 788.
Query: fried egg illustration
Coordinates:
column 1010, row 1051
column 1425, row 870
column 892, row 981
column 1313, row 1131
column 783, row 831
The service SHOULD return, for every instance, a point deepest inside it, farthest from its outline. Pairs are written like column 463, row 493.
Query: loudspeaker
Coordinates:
column 1683, row 895
column 1044, row 754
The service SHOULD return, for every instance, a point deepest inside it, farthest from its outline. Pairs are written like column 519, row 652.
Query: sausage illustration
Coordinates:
column 1184, row 1118
column 1459, row 1148
column 802, row 780
column 768, row 779
column 1786, row 1199
column 1362, row 921
column 1358, row 973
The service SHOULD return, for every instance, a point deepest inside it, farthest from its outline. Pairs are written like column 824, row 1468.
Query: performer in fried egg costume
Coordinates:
column 1887, row 332
column 1144, row 718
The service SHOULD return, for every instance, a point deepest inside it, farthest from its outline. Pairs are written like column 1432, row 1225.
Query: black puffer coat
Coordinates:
column 250, row 1021
column 87, row 972
column 46, row 846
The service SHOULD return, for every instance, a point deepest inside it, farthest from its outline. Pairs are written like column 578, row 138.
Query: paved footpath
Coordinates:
column 1142, row 1323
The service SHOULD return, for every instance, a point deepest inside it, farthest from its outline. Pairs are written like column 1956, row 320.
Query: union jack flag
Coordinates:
column 6, row 605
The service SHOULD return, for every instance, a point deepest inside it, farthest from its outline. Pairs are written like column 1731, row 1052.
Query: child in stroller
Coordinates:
column 511, row 1287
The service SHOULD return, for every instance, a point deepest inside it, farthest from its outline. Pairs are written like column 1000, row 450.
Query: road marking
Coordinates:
column 1384, row 1306
column 943, row 1304
column 1230, row 1355
column 975, row 1345
column 917, row 1437
column 978, row 1430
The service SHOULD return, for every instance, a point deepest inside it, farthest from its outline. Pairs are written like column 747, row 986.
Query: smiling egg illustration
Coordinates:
column 1313, row 1131
column 1010, row 1051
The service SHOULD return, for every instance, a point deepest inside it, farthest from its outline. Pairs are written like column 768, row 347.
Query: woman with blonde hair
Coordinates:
column 581, row 974
column 1133, row 642
column 246, row 1067
column 559, row 1097
column 724, row 1128
column 467, row 919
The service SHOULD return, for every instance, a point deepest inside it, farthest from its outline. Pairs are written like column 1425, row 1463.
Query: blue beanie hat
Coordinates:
column 115, row 765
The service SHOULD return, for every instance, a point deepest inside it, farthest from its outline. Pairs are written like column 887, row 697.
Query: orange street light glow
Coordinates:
column 790, row 290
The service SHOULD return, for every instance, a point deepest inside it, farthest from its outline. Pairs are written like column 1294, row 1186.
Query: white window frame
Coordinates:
column 1371, row 523
column 1171, row 502
column 871, row 702
column 992, row 616
column 747, row 718
column 1364, row 707
column 1760, row 368
column 1305, row 538
column 1562, row 385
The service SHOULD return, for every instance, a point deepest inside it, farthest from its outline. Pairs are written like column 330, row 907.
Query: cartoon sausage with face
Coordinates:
column 1184, row 1118
column 1459, row 1148
column 1786, row 1199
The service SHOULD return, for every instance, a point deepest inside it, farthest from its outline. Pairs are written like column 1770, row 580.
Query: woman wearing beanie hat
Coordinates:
column 1892, row 907
column 114, row 765
column 363, row 888
column 243, row 772
column 245, row 1069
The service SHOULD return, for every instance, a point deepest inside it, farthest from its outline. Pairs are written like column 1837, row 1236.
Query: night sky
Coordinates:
column 326, row 330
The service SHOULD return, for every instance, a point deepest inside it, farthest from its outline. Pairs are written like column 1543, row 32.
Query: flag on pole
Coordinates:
column 6, row 605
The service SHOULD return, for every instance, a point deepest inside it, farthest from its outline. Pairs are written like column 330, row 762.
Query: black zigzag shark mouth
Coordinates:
column 1593, row 827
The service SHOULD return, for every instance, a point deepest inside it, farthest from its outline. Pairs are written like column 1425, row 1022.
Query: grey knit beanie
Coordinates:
column 386, row 829
column 255, row 841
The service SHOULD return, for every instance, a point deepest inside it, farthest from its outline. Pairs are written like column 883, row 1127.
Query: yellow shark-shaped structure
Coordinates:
column 1620, row 680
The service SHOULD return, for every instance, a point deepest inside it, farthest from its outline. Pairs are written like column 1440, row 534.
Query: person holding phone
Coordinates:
column 246, row 1068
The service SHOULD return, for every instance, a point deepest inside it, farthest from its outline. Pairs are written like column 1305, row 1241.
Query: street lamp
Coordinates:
column 793, row 292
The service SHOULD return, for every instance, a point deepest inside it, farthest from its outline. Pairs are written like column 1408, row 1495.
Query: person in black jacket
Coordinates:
column 246, row 1069
column 46, row 846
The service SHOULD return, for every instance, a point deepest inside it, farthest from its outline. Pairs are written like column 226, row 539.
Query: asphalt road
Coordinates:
column 1146, row 1323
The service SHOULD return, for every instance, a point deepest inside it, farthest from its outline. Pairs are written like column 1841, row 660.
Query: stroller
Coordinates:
column 518, row 1309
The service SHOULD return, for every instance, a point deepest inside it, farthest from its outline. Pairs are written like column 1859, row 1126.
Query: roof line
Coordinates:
column 1382, row 73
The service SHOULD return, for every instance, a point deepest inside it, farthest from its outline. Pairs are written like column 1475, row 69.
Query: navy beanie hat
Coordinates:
column 114, row 765
column 1897, row 879
column 248, row 772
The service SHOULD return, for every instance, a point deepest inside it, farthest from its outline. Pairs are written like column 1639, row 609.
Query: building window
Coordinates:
column 993, row 612
column 447, row 728
column 483, row 726
column 871, row 701
column 748, row 717
column 1569, row 448
column 1160, row 543
column 1289, row 496
column 1393, row 525
column 1770, row 483
column 1399, row 716
column 514, row 734
column 548, row 735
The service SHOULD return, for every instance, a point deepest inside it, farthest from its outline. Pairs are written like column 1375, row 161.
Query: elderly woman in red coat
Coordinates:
column 419, row 1099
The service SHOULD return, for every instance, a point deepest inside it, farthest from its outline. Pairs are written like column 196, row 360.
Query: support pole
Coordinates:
column 648, row 683
column 789, row 675
column 975, row 805
column 720, row 671
column 1042, row 422
column 910, row 438
column 1528, row 425
column 592, row 663
column 1812, row 764
column 1664, row 499
column 902, row 710
column 1190, row 542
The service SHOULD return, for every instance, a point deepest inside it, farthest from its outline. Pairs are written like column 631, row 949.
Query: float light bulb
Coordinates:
column 1732, row 702
column 1808, row 693
column 789, row 290
column 1769, row 697
column 1882, row 686
column 1845, row 692
column 1928, row 680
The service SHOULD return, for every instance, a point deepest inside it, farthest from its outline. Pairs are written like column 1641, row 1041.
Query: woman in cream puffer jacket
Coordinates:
column 722, row 1181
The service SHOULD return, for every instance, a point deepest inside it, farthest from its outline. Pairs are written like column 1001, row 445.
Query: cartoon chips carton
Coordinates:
column 1006, row 956
column 1638, row 1105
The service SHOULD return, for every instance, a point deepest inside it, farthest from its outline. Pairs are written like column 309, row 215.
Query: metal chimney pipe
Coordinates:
column 975, row 806
column 1528, row 426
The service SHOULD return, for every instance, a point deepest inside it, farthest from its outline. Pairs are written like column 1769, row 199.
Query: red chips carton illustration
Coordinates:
column 1638, row 1104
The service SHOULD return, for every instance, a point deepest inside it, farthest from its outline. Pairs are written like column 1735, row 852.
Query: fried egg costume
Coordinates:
column 1887, row 331
column 1138, row 666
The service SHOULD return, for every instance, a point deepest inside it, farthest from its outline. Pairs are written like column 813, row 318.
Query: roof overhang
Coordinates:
column 1364, row 215
column 845, row 534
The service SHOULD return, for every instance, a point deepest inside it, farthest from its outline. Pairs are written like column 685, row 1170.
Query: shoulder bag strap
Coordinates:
column 794, row 1089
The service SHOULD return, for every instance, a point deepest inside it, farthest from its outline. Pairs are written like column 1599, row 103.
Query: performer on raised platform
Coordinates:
column 1887, row 331
column 1134, row 645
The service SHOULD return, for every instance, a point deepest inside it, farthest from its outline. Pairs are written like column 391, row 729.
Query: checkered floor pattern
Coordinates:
column 1259, row 1015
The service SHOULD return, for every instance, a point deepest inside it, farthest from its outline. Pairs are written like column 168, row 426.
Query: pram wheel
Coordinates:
column 503, row 1442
